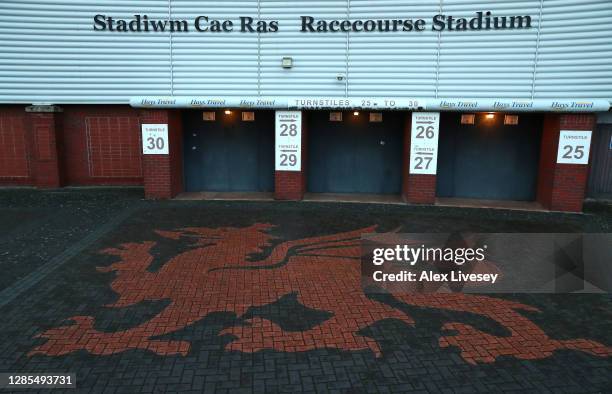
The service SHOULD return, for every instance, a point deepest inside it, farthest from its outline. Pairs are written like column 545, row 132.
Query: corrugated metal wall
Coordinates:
column 214, row 63
column 50, row 53
column 318, row 57
column 482, row 62
column 575, row 49
column 392, row 64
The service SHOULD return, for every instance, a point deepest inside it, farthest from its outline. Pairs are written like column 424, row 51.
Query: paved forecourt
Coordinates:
column 193, row 296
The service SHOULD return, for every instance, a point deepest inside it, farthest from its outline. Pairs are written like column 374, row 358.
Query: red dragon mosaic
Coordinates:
column 325, row 274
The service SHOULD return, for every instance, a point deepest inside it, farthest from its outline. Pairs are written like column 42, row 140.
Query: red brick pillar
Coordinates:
column 291, row 185
column 163, row 174
column 562, row 187
column 45, row 135
column 416, row 188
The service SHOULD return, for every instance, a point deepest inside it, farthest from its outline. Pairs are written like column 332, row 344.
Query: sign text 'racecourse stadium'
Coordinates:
column 482, row 20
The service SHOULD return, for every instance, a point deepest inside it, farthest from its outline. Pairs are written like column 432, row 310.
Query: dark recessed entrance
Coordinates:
column 355, row 155
column 229, row 154
column 489, row 160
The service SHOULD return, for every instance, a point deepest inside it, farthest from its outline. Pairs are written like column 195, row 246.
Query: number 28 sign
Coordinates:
column 424, row 142
column 155, row 139
column 288, row 141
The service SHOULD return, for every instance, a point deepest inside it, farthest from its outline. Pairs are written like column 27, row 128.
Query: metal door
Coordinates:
column 355, row 155
column 489, row 160
column 600, row 181
column 229, row 154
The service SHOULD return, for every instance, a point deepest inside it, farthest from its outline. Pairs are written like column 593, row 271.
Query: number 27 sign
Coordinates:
column 424, row 142
column 155, row 139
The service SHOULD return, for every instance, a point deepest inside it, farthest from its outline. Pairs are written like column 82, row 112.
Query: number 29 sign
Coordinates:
column 288, row 141
column 155, row 139
column 424, row 142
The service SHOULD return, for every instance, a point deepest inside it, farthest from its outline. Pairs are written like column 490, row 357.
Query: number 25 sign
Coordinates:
column 155, row 139
column 424, row 142
column 574, row 147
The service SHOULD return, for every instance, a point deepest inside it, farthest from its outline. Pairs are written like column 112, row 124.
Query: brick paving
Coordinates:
column 265, row 297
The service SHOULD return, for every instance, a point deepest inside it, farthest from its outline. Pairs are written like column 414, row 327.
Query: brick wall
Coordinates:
column 562, row 187
column 163, row 174
column 14, row 149
column 420, row 189
column 569, row 188
column 113, row 147
column 176, row 152
column 288, row 185
column 570, row 182
column 101, row 145
column 416, row 188
column 548, row 158
column 90, row 144
column 46, row 149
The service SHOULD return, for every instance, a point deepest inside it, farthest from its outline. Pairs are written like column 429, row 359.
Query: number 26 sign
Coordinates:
column 155, row 139
column 424, row 142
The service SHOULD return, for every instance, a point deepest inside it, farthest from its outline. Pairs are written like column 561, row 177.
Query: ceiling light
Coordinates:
column 511, row 120
column 467, row 118
column 335, row 116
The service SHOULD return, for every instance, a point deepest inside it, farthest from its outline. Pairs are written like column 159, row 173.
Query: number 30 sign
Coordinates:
column 154, row 139
column 574, row 147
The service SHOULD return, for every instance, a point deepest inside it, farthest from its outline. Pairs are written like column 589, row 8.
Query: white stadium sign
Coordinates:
column 375, row 103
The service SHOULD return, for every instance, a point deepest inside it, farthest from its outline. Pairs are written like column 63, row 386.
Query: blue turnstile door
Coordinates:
column 355, row 155
column 229, row 154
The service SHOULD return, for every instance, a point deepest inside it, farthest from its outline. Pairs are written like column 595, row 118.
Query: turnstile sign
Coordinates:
column 155, row 139
column 574, row 147
column 424, row 142
column 288, row 141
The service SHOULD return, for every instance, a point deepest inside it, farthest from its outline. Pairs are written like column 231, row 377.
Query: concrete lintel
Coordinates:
column 44, row 108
